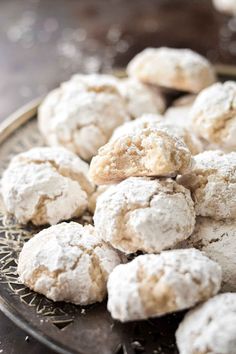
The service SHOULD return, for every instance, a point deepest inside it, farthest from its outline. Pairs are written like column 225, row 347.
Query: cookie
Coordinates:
column 149, row 152
column 39, row 183
column 141, row 98
column 212, row 184
column 82, row 114
column 226, row 6
column 143, row 214
column 217, row 240
column 213, row 115
column 134, row 126
column 154, row 285
column 184, row 100
column 67, row 262
column 210, row 327
column 156, row 121
column 179, row 69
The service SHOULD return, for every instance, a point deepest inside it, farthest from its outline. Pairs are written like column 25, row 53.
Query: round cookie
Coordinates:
column 39, row 183
column 141, row 98
column 154, row 285
column 190, row 139
column 82, row 113
column 134, row 126
column 178, row 116
column 142, row 214
column 213, row 115
column 67, row 262
column 217, row 239
column 148, row 152
column 155, row 121
column 227, row 6
column 178, row 113
column 212, row 184
column 210, row 327
column 180, row 69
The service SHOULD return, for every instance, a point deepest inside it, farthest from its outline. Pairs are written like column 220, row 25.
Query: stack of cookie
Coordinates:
column 159, row 183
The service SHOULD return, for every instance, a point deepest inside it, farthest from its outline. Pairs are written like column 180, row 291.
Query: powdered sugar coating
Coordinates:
column 134, row 126
column 218, row 240
column 154, row 285
column 67, row 262
column 149, row 152
column 82, row 114
column 178, row 113
column 212, row 183
column 210, row 327
column 227, row 6
column 180, row 69
column 213, row 115
column 141, row 98
column 39, row 183
column 141, row 214
column 190, row 139
column 178, row 116
column 156, row 121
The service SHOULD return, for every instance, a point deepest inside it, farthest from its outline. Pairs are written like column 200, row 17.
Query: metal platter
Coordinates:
column 66, row 328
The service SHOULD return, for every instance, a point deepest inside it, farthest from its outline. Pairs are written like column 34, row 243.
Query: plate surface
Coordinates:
column 64, row 327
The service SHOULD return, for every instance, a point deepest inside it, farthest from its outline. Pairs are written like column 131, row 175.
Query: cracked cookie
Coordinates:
column 210, row 327
column 213, row 115
column 154, row 285
column 148, row 152
column 82, row 113
column 46, row 185
column 217, row 240
column 142, row 214
column 141, row 98
column 68, row 262
column 155, row 121
column 134, row 126
column 212, row 182
column 179, row 69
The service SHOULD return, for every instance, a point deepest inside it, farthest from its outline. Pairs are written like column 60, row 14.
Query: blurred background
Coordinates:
column 44, row 42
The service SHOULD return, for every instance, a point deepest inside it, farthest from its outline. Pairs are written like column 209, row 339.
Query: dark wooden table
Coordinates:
column 43, row 42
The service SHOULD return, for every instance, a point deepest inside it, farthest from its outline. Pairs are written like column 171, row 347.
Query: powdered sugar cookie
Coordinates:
column 156, row 121
column 150, row 152
column 141, row 214
column 184, row 101
column 217, row 240
column 212, row 183
column 210, row 327
column 46, row 185
column 134, row 126
column 178, row 113
column 154, row 285
column 213, row 115
column 180, row 69
column 227, row 6
column 190, row 139
column 82, row 114
column 141, row 98
column 67, row 262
